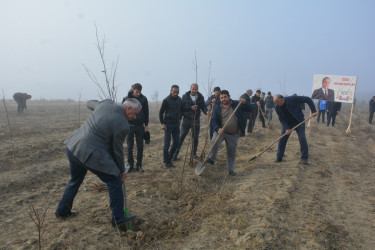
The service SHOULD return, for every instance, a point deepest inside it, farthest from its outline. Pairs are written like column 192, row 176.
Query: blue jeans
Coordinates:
column 302, row 142
column 78, row 172
column 173, row 130
column 185, row 128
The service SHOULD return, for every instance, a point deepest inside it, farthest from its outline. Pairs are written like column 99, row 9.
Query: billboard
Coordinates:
column 334, row 88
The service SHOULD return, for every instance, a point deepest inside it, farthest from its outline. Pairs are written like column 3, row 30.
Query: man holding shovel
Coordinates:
column 231, row 132
column 290, row 114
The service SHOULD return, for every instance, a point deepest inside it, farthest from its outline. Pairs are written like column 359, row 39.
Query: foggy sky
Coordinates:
column 251, row 44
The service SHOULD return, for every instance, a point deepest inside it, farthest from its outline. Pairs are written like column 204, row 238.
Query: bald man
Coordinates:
column 290, row 114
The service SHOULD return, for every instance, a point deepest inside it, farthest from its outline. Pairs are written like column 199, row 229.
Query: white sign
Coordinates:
column 334, row 88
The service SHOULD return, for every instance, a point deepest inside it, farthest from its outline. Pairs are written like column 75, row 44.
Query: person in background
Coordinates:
column 247, row 115
column 371, row 109
column 290, row 114
column 138, row 127
column 270, row 105
column 170, row 115
column 333, row 109
column 97, row 146
column 254, row 109
column 192, row 106
column 322, row 108
column 20, row 99
column 262, row 110
column 211, row 102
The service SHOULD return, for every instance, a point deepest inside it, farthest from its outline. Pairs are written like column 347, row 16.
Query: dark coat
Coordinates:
column 319, row 94
column 216, row 116
column 171, row 110
column 187, row 103
column 143, row 116
column 293, row 104
column 333, row 106
column 372, row 105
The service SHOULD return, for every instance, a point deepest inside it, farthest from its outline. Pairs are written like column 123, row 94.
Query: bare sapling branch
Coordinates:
column 10, row 129
column 108, row 89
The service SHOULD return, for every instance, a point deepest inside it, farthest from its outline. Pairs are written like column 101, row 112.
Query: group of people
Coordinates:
column 97, row 145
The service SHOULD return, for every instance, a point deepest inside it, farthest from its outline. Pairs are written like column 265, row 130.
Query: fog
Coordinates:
column 276, row 46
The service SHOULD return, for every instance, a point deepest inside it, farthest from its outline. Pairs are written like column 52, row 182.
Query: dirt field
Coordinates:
column 329, row 204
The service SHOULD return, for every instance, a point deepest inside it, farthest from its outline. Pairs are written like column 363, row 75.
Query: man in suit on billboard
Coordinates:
column 324, row 93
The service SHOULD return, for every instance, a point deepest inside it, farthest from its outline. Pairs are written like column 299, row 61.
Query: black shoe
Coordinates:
column 166, row 165
column 304, row 162
column 171, row 165
column 175, row 158
column 140, row 169
column 121, row 223
column 210, row 161
column 66, row 216
column 278, row 160
column 131, row 168
column 231, row 173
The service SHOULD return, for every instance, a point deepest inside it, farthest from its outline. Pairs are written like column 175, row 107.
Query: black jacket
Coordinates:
column 171, row 110
column 187, row 102
column 372, row 105
column 333, row 106
column 143, row 116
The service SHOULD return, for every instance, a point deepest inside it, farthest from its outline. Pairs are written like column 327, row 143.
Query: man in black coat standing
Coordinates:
column 138, row 127
column 192, row 106
column 247, row 115
column 333, row 109
column 170, row 117
column 372, row 109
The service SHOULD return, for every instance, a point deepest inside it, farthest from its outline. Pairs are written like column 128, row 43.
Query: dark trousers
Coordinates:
column 77, row 174
column 261, row 117
column 252, row 118
column 302, row 142
column 138, row 132
column 370, row 117
column 322, row 113
column 331, row 115
column 173, row 130
column 20, row 106
column 185, row 128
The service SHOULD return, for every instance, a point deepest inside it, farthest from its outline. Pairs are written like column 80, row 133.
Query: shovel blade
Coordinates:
column 199, row 168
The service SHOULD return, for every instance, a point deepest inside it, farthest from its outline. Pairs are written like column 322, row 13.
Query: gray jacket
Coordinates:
column 98, row 143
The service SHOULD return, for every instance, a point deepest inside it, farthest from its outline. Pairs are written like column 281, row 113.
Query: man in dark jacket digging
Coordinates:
column 290, row 114
column 231, row 133
column 192, row 106
column 138, row 127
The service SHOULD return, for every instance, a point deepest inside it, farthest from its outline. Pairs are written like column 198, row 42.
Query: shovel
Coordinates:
column 294, row 128
column 126, row 210
column 200, row 166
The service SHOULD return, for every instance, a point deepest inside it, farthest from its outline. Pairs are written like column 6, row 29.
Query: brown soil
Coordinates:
column 328, row 204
